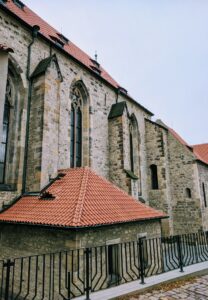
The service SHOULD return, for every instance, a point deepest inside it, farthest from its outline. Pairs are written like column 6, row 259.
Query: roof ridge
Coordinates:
column 81, row 198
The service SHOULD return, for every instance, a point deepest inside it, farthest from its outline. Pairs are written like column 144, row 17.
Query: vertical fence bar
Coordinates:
column 88, row 251
column 8, row 264
column 141, row 259
column 69, row 286
column 180, row 255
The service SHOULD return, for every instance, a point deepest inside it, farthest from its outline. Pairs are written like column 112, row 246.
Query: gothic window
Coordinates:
column 188, row 192
column 76, row 129
column 204, row 195
column 131, row 147
column 5, row 132
column 154, row 177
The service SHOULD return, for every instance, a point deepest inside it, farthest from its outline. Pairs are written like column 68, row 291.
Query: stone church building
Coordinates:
column 60, row 110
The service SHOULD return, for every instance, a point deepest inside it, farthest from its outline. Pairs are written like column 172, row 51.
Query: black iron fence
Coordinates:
column 69, row 274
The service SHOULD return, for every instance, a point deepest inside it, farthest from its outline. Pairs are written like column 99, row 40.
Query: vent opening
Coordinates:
column 19, row 4
column 122, row 90
column 46, row 196
column 63, row 38
column 96, row 70
column 57, row 41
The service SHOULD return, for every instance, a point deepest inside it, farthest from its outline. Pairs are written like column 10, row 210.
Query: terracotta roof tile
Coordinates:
column 201, row 151
column 82, row 199
column 31, row 18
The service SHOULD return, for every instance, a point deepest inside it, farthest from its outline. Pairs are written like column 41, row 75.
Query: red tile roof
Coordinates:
column 178, row 137
column 82, row 199
column 201, row 151
column 47, row 31
column 31, row 18
column 5, row 48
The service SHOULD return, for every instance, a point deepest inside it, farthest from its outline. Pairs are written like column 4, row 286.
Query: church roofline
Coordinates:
column 110, row 81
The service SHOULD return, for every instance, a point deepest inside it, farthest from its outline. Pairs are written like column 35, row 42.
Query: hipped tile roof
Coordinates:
column 81, row 199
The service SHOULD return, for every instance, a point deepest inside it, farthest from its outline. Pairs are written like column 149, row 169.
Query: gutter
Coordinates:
column 78, row 228
column 8, row 11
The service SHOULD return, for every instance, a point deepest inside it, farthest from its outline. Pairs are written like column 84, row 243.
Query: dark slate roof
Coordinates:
column 117, row 110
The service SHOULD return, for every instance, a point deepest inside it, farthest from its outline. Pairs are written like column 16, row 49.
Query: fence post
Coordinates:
column 180, row 255
column 87, row 273
column 141, row 259
column 8, row 264
column 195, row 236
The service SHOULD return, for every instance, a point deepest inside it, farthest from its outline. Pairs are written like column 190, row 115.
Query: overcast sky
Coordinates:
column 156, row 49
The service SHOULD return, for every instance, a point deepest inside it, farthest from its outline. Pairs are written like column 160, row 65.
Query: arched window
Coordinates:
column 204, row 194
column 5, row 132
column 76, row 129
column 154, row 177
column 188, row 192
column 131, row 148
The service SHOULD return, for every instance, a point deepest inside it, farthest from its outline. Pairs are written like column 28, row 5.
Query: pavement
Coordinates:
column 151, row 283
column 193, row 289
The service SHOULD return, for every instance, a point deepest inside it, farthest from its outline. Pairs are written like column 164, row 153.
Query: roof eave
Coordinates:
column 57, row 227
column 157, row 124
column 202, row 162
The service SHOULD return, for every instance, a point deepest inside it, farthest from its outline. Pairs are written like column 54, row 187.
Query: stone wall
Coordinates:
column 100, row 99
column 186, row 211
column 176, row 172
column 120, row 233
column 157, row 154
column 22, row 240
column 17, row 241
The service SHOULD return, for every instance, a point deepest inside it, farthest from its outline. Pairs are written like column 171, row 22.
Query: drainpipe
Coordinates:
column 35, row 31
column 117, row 94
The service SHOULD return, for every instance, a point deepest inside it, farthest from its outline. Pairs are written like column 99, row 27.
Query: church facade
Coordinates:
column 59, row 109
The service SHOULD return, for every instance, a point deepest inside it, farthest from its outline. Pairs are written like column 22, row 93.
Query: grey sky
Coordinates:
column 156, row 49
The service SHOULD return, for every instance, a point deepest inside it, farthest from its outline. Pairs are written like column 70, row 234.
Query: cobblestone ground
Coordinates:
column 192, row 289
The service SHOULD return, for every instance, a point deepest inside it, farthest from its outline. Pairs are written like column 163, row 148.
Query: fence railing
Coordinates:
column 69, row 274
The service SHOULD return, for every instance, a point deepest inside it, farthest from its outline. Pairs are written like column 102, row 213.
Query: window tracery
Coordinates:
column 76, row 128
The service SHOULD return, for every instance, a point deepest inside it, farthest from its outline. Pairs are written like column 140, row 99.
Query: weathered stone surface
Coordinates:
column 106, row 146
column 22, row 240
